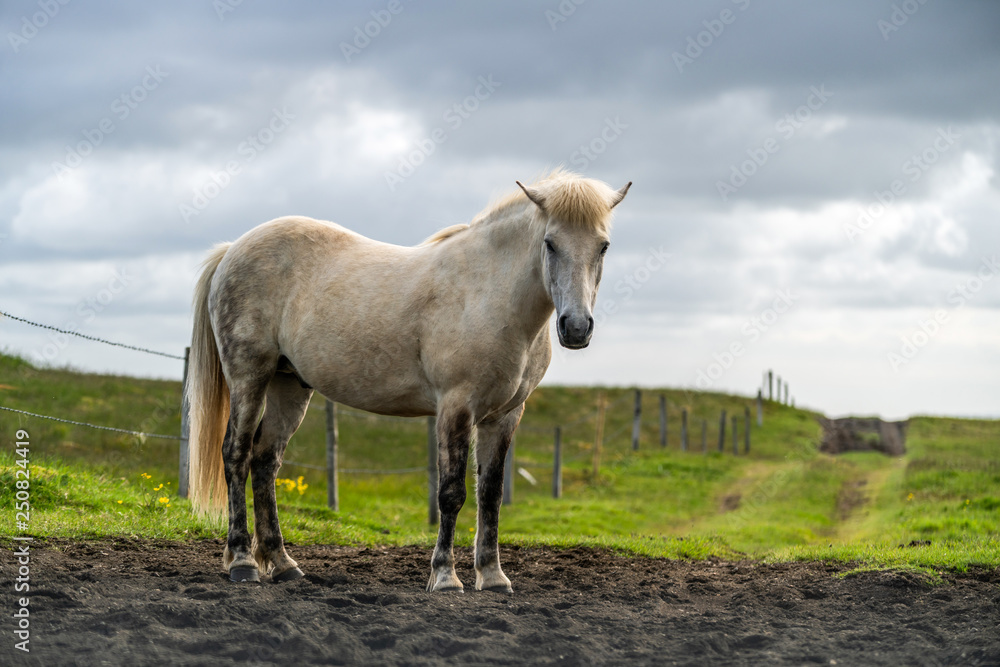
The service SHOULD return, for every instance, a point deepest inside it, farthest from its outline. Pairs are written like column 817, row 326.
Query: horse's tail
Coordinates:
column 208, row 398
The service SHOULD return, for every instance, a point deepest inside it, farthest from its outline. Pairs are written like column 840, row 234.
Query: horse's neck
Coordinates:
column 512, row 244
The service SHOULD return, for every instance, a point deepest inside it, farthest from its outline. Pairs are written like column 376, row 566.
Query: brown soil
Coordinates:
column 139, row 602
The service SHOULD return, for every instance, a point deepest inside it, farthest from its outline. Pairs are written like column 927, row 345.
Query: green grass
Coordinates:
column 785, row 501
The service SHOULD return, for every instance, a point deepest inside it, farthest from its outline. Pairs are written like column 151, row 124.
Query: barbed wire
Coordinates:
column 102, row 428
column 93, row 338
column 358, row 471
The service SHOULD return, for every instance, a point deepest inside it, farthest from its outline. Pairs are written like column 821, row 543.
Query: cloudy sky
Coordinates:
column 815, row 184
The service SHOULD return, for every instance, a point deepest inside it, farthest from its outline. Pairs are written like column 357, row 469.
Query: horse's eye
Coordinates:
column 548, row 246
column 604, row 249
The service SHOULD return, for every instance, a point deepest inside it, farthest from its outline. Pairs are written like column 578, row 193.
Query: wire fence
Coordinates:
column 588, row 424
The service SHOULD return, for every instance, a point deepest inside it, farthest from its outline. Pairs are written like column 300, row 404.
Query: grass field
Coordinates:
column 783, row 501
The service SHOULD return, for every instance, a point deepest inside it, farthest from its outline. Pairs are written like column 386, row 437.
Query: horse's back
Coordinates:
column 337, row 304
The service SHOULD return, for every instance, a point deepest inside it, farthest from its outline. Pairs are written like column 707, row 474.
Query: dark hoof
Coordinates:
column 244, row 574
column 288, row 575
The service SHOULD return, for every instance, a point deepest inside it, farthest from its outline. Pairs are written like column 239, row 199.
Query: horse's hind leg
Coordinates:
column 287, row 402
column 246, row 401
column 454, row 431
column 492, row 444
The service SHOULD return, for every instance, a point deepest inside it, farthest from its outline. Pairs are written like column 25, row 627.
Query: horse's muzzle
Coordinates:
column 575, row 332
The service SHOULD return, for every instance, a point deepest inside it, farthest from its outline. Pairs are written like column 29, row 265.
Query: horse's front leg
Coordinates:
column 454, row 431
column 492, row 443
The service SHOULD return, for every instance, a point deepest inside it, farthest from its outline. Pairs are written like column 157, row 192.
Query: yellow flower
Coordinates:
column 301, row 485
column 119, row 502
column 158, row 488
column 164, row 499
column 145, row 476
column 909, row 497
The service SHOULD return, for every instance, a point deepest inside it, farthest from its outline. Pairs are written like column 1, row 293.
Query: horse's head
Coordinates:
column 577, row 215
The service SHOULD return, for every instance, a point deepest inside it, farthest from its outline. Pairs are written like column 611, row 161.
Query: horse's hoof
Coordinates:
column 291, row 574
column 244, row 574
column 501, row 588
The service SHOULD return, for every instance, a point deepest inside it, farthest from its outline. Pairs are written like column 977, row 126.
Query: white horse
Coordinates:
column 454, row 327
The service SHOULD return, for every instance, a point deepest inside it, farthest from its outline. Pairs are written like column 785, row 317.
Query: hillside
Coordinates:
column 782, row 500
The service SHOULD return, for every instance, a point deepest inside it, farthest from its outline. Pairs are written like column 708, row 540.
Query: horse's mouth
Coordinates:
column 574, row 346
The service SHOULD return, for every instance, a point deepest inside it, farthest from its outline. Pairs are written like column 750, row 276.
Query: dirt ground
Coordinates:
column 140, row 602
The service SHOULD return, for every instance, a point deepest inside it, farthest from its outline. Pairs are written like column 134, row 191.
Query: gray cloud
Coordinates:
column 183, row 91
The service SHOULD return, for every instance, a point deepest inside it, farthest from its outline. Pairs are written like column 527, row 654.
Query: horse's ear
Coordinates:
column 620, row 195
column 533, row 194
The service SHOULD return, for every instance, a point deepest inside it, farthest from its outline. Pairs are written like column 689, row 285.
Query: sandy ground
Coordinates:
column 157, row 602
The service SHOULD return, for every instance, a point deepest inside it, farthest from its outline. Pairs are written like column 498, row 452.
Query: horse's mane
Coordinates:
column 567, row 195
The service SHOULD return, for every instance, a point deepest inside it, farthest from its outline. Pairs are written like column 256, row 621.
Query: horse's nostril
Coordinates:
column 590, row 326
column 562, row 324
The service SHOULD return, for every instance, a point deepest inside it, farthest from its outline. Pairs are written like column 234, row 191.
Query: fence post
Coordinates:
column 599, row 436
column 508, row 475
column 777, row 381
column 704, row 436
column 746, row 429
column 184, row 469
column 770, row 385
column 760, row 408
column 557, row 466
column 786, row 392
column 332, row 490
column 636, row 420
column 432, row 471
column 722, row 431
column 736, row 439
column 663, row 420
column 684, row 429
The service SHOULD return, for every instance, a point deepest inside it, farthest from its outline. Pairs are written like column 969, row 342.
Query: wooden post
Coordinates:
column 557, row 466
column 432, row 471
column 736, row 439
column 746, row 429
column 508, row 475
column 184, row 470
column 760, row 409
column 636, row 420
column 770, row 386
column 786, row 392
column 599, row 436
column 684, row 429
column 777, row 381
column 704, row 436
column 663, row 420
column 332, row 487
column 722, row 431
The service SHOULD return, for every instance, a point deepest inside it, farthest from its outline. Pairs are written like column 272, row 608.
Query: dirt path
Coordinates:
column 137, row 603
